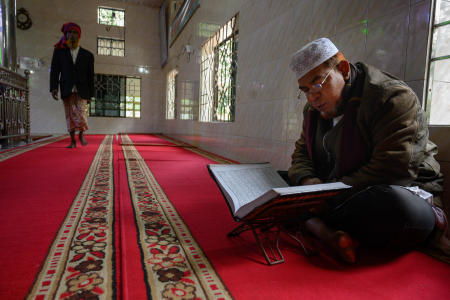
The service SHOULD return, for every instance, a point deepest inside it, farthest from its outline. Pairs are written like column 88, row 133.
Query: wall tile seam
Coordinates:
column 351, row 26
column 415, row 6
column 382, row 13
column 388, row 15
column 407, row 40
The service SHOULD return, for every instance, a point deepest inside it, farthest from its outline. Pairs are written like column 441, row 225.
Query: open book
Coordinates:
column 248, row 187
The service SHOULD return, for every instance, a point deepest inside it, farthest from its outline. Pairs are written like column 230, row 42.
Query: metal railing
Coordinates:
column 14, row 106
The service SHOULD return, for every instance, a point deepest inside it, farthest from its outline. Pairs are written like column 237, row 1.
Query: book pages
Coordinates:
column 302, row 189
column 245, row 183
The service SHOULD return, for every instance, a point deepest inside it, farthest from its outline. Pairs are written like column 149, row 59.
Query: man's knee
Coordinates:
column 385, row 214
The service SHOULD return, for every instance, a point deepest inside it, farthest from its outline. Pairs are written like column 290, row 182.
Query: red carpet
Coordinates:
column 6, row 154
column 132, row 276
column 109, row 222
column 183, row 176
column 174, row 266
column 37, row 189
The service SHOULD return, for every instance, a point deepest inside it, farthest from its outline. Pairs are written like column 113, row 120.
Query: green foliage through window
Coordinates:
column 171, row 91
column 111, row 16
column 116, row 96
column 218, row 74
column 225, row 80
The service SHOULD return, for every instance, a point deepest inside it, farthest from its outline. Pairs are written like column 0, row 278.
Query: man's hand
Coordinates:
column 55, row 94
column 309, row 180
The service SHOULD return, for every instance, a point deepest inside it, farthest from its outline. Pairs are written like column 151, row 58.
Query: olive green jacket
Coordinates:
column 393, row 127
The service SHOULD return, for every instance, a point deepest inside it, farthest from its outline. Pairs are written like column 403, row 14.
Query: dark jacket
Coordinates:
column 67, row 74
column 393, row 134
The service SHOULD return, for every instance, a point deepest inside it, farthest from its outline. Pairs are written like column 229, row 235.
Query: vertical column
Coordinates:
column 27, row 101
column 8, row 20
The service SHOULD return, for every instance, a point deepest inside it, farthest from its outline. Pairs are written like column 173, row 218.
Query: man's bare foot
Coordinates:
column 339, row 242
column 344, row 246
column 440, row 237
column 444, row 244
column 72, row 145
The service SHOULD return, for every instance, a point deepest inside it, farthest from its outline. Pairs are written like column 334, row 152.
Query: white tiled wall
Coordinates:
column 389, row 34
column 141, row 48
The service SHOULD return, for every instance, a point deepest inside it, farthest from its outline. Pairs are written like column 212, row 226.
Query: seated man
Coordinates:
column 367, row 129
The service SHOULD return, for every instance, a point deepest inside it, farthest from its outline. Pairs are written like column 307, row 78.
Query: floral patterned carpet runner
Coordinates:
column 175, row 266
column 80, row 262
column 103, row 252
column 83, row 260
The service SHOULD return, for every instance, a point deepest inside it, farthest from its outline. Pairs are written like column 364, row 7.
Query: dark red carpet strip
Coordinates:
column 131, row 273
column 147, row 139
column 183, row 177
column 117, row 258
column 37, row 189
column 174, row 266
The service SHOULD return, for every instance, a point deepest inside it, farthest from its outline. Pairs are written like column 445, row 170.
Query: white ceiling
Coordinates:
column 150, row 3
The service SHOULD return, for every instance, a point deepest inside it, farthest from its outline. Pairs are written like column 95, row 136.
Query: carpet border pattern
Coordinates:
column 199, row 151
column 174, row 265
column 80, row 262
column 19, row 150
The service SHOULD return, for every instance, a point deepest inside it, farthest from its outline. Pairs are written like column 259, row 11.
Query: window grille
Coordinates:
column 133, row 97
column 218, row 74
column 111, row 16
column 188, row 100
column 171, row 94
column 116, row 96
column 438, row 79
column 110, row 46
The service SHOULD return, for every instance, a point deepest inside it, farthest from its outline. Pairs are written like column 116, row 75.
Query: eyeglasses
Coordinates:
column 316, row 87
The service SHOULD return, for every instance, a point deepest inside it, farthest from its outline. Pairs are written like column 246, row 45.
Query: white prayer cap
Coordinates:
column 311, row 56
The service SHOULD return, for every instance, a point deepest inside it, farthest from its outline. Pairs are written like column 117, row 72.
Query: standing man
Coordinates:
column 367, row 129
column 73, row 68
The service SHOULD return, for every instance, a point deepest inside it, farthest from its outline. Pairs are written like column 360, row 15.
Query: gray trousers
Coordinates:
column 383, row 215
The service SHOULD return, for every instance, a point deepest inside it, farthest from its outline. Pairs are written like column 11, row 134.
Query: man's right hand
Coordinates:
column 309, row 180
column 55, row 94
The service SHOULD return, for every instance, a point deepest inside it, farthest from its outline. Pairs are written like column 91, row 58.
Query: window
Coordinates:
column 110, row 46
column 1, row 36
column 111, row 16
column 133, row 97
column 171, row 94
column 218, row 74
column 438, row 81
column 188, row 102
column 206, row 29
column 116, row 96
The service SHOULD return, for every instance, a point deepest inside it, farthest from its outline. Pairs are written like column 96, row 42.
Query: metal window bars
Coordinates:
column 116, row 96
column 14, row 106
column 218, row 74
column 171, row 94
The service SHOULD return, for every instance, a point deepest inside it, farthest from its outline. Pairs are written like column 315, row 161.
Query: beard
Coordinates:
column 72, row 44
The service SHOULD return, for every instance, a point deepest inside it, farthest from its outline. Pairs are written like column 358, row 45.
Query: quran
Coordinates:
column 257, row 189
